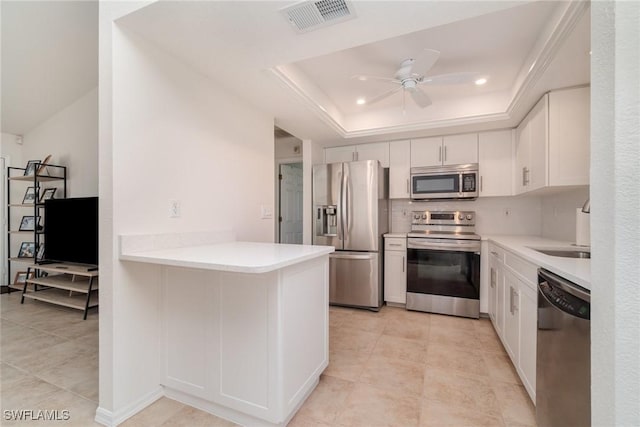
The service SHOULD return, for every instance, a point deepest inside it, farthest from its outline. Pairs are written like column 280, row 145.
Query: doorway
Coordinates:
column 290, row 203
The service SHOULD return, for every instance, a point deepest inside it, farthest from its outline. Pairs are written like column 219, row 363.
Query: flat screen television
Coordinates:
column 71, row 230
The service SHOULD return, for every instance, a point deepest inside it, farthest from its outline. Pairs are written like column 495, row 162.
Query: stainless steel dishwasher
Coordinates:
column 563, row 367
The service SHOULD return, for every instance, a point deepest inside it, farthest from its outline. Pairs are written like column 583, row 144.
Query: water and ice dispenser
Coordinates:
column 327, row 220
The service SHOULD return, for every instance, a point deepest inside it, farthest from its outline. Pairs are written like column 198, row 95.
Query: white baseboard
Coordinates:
column 112, row 419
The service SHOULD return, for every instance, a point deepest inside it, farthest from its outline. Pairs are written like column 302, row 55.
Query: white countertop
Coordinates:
column 399, row 235
column 576, row 270
column 240, row 257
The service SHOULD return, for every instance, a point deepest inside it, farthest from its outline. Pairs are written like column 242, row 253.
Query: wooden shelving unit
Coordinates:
column 70, row 285
column 17, row 184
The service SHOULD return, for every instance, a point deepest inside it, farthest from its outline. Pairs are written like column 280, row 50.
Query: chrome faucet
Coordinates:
column 586, row 208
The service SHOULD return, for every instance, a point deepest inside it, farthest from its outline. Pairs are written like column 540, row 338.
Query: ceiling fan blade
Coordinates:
column 420, row 97
column 384, row 95
column 451, row 78
column 364, row 78
column 424, row 61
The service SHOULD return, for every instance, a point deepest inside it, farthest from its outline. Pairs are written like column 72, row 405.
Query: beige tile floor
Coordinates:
column 392, row 368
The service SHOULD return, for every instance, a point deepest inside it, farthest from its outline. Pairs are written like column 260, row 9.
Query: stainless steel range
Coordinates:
column 443, row 263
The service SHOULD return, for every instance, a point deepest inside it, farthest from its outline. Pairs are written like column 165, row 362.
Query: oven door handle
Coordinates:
column 441, row 246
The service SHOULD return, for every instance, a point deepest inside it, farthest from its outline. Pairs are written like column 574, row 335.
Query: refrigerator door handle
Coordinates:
column 340, row 208
column 344, row 203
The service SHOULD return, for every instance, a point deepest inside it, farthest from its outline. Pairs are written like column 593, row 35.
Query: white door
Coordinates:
column 291, row 203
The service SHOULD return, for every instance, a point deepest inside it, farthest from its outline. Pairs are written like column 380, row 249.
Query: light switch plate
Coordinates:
column 174, row 208
column 266, row 211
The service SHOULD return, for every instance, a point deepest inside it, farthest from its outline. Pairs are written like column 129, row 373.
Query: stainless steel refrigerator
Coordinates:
column 350, row 209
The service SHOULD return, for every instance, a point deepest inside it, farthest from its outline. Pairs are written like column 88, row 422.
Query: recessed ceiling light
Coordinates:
column 361, row 101
column 481, row 81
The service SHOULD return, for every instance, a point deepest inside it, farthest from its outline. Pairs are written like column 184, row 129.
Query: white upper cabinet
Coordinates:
column 569, row 136
column 447, row 150
column 426, row 152
column 532, row 148
column 374, row 151
column 339, row 154
column 552, row 142
column 495, row 163
column 350, row 153
column 460, row 149
column 399, row 169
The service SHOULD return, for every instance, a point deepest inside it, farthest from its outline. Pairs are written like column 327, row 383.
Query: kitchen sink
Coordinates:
column 565, row 253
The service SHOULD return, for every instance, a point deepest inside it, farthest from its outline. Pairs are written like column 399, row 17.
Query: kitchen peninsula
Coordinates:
column 244, row 325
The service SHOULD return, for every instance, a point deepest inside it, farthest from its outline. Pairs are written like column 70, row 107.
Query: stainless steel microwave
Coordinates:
column 445, row 182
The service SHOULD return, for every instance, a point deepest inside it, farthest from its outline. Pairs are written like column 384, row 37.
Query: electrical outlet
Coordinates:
column 174, row 208
column 507, row 212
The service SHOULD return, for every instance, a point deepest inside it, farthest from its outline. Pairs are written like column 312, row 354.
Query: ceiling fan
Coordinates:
column 412, row 74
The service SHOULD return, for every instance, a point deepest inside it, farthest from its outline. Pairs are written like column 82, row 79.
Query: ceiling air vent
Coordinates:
column 310, row 15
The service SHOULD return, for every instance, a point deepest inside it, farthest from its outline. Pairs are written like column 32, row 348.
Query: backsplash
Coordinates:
column 494, row 215
column 552, row 216
column 559, row 213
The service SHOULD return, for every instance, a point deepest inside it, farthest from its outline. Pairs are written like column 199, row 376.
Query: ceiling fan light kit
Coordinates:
column 412, row 75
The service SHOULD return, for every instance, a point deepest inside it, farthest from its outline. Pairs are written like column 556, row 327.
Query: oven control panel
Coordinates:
column 443, row 218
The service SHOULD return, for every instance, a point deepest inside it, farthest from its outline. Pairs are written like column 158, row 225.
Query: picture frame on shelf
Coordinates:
column 29, row 223
column 29, row 196
column 27, row 250
column 47, row 194
column 30, row 169
column 43, row 165
column 21, row 277
column 40, row 254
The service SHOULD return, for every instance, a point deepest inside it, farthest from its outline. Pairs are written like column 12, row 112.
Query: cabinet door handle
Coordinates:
column 445, row 153
column 525, row 176
column 408, row 186
column 440, row 153
column 493, row 278
column 403, row 264
column 528, row 175
column 395, row 244
column 481, row 183
column 510, row 299
column 494, row 253
column 515, row 302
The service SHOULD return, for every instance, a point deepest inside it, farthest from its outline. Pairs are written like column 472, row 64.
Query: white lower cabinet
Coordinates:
column 395, row 270
column 513, row 310
column 512, row 316
column 528, row 337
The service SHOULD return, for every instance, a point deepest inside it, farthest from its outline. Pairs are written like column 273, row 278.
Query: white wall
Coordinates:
column 71, row 137
column 615, row 204
column 11, row 150
column 286, row 148
column 524, row 216
column 174, row 135
column 559, row 213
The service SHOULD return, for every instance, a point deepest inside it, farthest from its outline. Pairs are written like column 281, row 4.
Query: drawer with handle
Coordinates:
column 395, row 244
column 496, row 252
